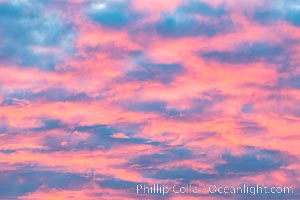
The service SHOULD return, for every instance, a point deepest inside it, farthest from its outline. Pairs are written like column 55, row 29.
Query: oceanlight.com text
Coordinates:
column 244, row 189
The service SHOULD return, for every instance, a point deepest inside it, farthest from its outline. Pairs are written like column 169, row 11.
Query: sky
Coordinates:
column 100, row 98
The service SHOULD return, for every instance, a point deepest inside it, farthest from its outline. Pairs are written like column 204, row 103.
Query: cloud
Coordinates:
column 112, row 14
column 290, row 82
column 247, row 108
column 100, row 95
column 246, row 53
column 148, row 106
column 95, row 137
column 250, row 127
column 32, row 37
column 158, row 72
column 164, row 157
column 253, row 161
column 279, row 10
column 18, row 183
column 154, row 106
column 200, row 106
column 115, row 183
column 48, row 95
column 185, row 25
column 201, row 8
column 183, row 174
column 7, row 151
column 183, row 22
column 50, row 124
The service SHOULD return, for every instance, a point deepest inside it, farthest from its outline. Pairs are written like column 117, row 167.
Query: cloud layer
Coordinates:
column 99, row 96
